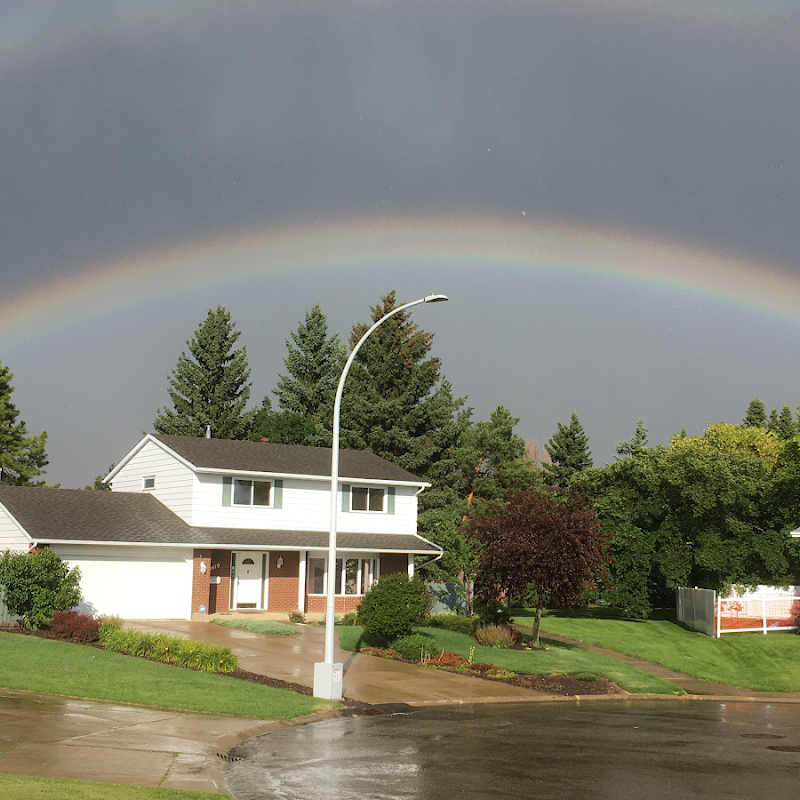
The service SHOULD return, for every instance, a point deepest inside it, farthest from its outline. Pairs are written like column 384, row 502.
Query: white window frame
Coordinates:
column 369, row 489
column 252, row 483
column 145, row 487
column 368, row 568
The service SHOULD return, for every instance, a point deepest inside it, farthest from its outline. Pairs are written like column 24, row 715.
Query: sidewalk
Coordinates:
column 367, row 679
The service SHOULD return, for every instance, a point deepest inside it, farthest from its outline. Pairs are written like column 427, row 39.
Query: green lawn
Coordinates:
column 23, row 787
column 558, row 659
column 73, row 670
column 768, row 663
column 266, row 626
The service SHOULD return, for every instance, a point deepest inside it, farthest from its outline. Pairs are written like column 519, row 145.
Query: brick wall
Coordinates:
column 219, row 599
column 200, row 585
column 283, row 581
column 342, row 604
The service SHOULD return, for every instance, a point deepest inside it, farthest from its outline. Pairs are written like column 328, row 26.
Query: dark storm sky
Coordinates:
column 130, row 127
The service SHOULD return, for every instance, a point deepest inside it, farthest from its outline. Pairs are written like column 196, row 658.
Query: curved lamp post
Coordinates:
column 327, row 675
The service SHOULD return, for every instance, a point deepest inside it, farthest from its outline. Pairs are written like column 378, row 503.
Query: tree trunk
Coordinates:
column 537, row 617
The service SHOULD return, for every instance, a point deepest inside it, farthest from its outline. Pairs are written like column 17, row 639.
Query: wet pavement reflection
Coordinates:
column 620, row 750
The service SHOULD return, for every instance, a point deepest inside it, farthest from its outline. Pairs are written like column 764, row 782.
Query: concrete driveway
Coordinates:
column 366, row 679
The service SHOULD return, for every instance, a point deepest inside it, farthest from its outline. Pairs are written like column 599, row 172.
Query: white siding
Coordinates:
column 174, row 480
column 305, row 506
column 133, row 582
column 11, row 538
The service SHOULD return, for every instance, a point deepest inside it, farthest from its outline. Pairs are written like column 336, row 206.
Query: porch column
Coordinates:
column 301, row 582
column 410, row 565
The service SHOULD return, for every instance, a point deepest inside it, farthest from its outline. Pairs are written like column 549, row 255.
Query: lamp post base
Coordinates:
column 328, row 680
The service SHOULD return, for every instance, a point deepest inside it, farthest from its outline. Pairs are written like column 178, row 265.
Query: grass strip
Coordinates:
column 768, row 663
column 558, row 659
column 25, row 787
column 42, row 665
column 266, row 626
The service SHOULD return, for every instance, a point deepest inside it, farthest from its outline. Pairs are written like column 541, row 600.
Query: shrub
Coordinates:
column 349, row 619
column 268, row 627
column 453, row 622
column 296, row 615
column 394, row 606
column 493, row 612
column 501, row 636
column 70, row 626
column 37, row 584
column 170, row 649
column 416, row 647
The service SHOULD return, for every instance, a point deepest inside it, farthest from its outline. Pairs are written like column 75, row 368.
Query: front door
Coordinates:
column 249, row 580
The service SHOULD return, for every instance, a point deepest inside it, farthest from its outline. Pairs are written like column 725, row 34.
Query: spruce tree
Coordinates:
column 636, row 444
column 756, row 416
column 785, row 428
column 22, row 457
column 314, row 364
column 396, row 402
column 569, row 453
column 210, row 386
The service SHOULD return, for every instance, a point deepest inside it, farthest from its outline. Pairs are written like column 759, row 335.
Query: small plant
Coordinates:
column 71, row 626
column 297, row 616
column 394, row 606
column 453, row 622
column 349, row 619
column 471, row 656
column 493, row 612
column 501, row 636
column 417, row 647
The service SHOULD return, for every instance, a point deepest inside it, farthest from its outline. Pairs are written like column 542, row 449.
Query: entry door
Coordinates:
column 248, row 580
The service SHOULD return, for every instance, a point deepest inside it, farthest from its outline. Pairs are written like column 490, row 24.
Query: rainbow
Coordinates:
column 389, row 244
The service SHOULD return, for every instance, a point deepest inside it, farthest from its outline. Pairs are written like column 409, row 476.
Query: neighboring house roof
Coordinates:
column 281, row 459
column 75, row 515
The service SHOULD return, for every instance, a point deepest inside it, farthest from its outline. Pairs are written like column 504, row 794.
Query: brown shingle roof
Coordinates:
column 52, row 515
column 286, row 459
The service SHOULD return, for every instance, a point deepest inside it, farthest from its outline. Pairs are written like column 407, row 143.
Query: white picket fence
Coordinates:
column 767, row 609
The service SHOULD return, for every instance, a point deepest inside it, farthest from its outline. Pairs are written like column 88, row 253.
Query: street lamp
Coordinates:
column 327, row 675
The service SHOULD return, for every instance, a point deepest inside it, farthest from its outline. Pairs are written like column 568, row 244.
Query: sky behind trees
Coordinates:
column 609, row 193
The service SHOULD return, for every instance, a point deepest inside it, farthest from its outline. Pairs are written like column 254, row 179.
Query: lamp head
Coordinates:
column 436, row 298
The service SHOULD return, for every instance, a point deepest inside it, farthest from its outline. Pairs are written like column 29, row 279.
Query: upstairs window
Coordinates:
column 251, row 493
column 367, row 498
column 149, row 482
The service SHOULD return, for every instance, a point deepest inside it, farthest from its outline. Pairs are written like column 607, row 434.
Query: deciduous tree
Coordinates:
column 209, row 387
column 544, row 542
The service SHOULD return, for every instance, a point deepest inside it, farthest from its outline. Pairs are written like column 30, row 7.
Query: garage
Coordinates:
column 133, row 582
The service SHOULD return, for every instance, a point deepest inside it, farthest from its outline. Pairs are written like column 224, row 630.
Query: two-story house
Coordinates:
column 223, row 525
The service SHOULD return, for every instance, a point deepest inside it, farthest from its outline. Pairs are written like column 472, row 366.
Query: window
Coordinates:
column 353, row 575
column 367, row 498
column 251, row 493
column 149, row 482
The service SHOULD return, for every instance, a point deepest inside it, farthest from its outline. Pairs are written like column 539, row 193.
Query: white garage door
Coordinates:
column 146, row 584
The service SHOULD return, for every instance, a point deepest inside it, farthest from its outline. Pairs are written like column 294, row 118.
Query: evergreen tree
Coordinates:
column 569, row 453
column 756, row 416
column 772, row 422
column 210, row 387
column 314, row 364
column 22, row 457
column 636, row 444
column 282, row 427
column 396, row 403
column 786, row 428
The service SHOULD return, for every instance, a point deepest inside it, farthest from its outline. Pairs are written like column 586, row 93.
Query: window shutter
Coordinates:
column 226, row 489
column 390, row 500
column 345, row 497
column 277, row 497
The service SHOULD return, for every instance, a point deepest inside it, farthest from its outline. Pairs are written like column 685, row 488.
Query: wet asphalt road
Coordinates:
column 620, row 750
